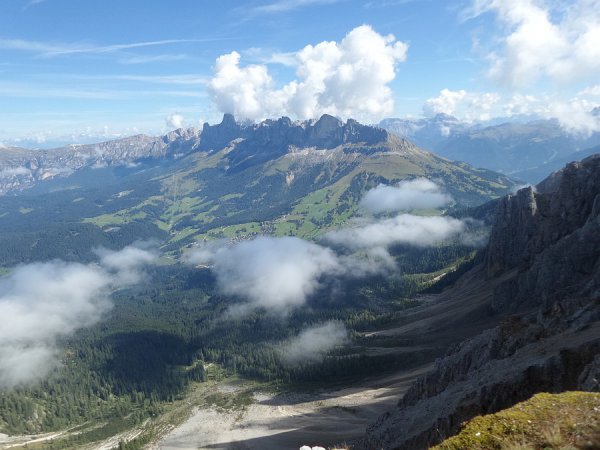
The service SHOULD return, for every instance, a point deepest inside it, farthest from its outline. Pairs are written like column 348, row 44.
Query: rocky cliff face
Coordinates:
column 327, row 132
column 274, row 138
column 547, row 245
column 551, row 236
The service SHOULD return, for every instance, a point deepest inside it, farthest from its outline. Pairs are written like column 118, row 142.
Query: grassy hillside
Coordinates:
column 303, row 193
column 570, row 420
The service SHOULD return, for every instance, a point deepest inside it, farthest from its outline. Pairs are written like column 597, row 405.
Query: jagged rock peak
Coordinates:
column 216, row 137
column 516, row 219
column 327, row 132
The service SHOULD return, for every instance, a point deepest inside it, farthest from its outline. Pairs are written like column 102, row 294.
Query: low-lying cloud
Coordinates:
column 124, row 265
column 280, row 274
column 313, row 343
column 408, row 229
column 419, row 193
column 275, row 273
column 14, row 171
column 43, row 302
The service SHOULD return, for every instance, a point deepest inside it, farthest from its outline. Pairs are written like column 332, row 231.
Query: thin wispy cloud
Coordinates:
column 26, row 90
column 31, row 3
column 46, row 49
column 265, row 56
column 184, row 80
column 149, row 59
column 176, row 80
column 390, row 3
column 289, row 5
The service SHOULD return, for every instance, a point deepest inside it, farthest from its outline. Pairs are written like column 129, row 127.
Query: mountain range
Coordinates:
column 528, row 150
column 227, row 180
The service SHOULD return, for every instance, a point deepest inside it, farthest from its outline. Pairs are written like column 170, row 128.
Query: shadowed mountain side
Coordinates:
column 543, row 260
column 457, row 313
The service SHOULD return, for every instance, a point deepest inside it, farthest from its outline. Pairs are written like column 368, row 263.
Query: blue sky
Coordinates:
column 114, row 67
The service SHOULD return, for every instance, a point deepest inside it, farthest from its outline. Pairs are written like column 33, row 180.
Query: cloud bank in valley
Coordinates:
column 347, row 79
column 275, row 273
column 280, row 274
column 314, row 342
column 408, row 229
column 419, row 193
column 43, row 302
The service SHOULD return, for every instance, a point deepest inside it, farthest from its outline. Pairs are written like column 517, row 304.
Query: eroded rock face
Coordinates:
column 547, row 245
column 215, row 137
column 552, row 237
column 327, row 132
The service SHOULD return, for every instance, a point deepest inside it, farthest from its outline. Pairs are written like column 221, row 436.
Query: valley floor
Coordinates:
column 233, row 413
column 288, row 421
column 329, row 417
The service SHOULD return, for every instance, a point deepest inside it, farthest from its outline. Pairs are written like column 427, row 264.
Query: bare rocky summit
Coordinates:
column 545, row 244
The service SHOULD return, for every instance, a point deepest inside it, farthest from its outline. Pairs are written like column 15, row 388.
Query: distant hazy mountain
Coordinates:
column 21, row 168
column 427, row 133
column 527, row 150
column 43, row 142
column 229, row 180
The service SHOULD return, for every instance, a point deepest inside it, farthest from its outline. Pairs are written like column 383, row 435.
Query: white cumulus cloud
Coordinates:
column 347, row 79
column 43, row 302
column 539, row 39
column 419, row 193
column 462, row 104
column 174, row 120
column 574, row 114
